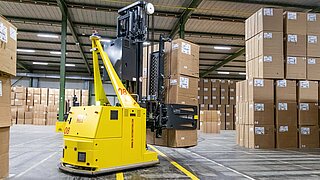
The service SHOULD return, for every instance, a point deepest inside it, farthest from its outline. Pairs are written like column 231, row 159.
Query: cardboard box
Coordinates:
column 19, row 89
column 224, row 99
column 268, row 66
column 286, row 90
column 286, row 113
column 181, row 57
column 21, row 96
column 295, row 22
column 210, row 116
column 296, row 45
column 36, row 99
column 203, row 107
column 313, row 45
column 269, row 19
column 51, row 118
column 260, row 90
column 182, row 90
column 296, row 67
column 215, row 100
column 182, row 138
column 309, row 136
column 229, row 117
column 313, row 23
column 308, row 91
column 261, row 136
column 313, row 66
column 308, row 114
column 207, row 100
column 37, row 91
column 150, row 138
column 28, row 117
column 269, row 43
column 8, row 48
column 213, row 107
column 5, row 102
column 287, row 136
column 210, row 127
column 260, row 113
column 4, row 151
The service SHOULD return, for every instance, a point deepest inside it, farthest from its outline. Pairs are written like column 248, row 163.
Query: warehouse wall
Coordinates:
column 70, row 84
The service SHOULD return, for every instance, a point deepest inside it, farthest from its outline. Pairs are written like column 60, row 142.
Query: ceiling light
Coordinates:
column 223, row 72
column 26, row 50
column 146, row 43
column 242, row 73
column 102, row 67
column 40, row 63
column 56, row 52
column 105, row 40
column 48, row 35
column 70, row 65
column 222, row 47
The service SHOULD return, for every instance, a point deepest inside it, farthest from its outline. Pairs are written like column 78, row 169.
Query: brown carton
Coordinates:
column 308, row 91
column 213, row 107
column 210, row 127
column 216, row 99
column 286, row 90
column 313, row 45
column 313, row 23
column 261, row 113
column 203, row 107
column 260, row 90
column 37, row 91
column 268, row 66
column 269, row 19
column 296, row 67
column 308, row 114
column 181, row 57
column 182, row 138
column 150, row 137
column 286, row 113
column 295, row 22
column 207, row 100
column 5, row 102
column 270, row 43
column 36, row 99
column 309, row 136
column 287, row 136
column 313, row 66
column 261, row 136
column 8, row 48
column 296, row 45
column 4, row 151
column 182, row 90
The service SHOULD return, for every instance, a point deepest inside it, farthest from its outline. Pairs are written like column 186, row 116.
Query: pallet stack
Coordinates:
column 215, row 94
column 8, row 51
column 210, row 121
column 277, row 106
column 39, row 106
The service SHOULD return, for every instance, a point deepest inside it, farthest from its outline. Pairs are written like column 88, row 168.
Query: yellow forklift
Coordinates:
column 106, row 138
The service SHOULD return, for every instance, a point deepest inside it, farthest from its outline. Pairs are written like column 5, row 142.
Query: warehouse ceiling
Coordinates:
column 211, row 24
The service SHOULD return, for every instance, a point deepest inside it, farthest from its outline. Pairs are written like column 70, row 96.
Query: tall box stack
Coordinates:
column 295, row 45
column 181, row 70
column 69, row 93
column 8, row 51
column 210, row 121
column 313, row 46
column 264, row 44
column 40, row 114
column 308, row 122
column 286, row 114
column 20, row 96
column 52, row 114
column 215, row 91
column 44, row 96
column 30, row 96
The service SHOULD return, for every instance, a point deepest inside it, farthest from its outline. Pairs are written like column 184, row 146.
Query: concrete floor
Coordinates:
column 35, row 153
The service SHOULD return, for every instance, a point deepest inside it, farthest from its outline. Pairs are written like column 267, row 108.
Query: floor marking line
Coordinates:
column 182, row 169
column 221, row 165
column 35, row 165
column 119, row 176
column 30, row 141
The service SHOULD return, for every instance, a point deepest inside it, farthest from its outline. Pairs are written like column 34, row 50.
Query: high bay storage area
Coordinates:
column 239, row 82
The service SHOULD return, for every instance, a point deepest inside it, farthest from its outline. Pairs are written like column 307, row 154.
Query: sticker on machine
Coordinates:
column 0, row 88
column 3, row 33
column 186, row 48
column 184, row 82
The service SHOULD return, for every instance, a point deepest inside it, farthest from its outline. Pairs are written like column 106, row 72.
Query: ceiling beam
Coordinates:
column 65, row 12
column 21, row 65
column 222, row 63
column 184, row 17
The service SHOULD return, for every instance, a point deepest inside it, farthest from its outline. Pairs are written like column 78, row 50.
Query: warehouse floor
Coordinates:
column 35, row 153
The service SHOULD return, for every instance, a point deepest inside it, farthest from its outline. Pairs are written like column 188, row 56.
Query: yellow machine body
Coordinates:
column 105, row 138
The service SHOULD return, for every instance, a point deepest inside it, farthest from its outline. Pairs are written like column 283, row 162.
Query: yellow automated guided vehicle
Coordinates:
column 105, row 138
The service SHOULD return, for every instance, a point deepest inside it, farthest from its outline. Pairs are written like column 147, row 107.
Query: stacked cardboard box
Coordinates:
column 8, row 48
column 210, row 121
column 40, row 114
column 221, row 96
column 52, row 114
column 181, row 70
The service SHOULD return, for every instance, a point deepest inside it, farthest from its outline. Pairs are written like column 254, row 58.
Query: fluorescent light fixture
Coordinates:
column 146, row 43
column 222, row 47
column 48, row 35
column 241, row 73
column 223, row 72
column 56, row 52
column 102, row 67
column 105, row 40
column 26, row 50
column 40, row 63
column 70, row 65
